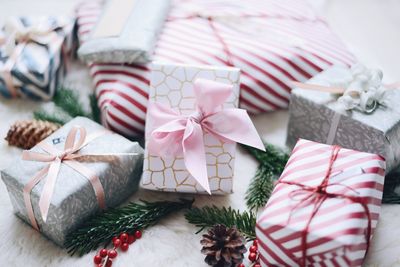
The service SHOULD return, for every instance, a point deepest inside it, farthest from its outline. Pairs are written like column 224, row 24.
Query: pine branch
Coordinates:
column 272, row 163
column 96, row 113
column 391, row 198
column 68, row 100
column 260, row 188
column 51, row 117
column 392, row 182
column 274, row 157
column 134, row 216
column 207, row 217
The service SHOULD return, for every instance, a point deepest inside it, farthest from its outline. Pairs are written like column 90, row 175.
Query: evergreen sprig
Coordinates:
column 272, row 162
column 69, row 106
column 68, row 100
column 96, row 113
column 50, row 117
column 134, row 216
column 207, row 217
column 392, row 183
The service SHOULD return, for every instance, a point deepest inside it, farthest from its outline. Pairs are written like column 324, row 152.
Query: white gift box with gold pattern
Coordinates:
column 172, row 85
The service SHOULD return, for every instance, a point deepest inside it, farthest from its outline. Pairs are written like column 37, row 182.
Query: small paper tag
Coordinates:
column 114, row 18
column 58, row 140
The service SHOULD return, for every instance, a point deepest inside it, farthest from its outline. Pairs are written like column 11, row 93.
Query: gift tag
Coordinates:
column 114, row 18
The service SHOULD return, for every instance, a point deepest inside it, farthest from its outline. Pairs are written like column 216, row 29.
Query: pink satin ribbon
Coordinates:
column 175, row 134
column 55, row 158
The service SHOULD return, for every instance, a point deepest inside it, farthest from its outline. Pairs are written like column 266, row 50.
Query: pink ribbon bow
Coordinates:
column 175, row 134
column 55, row 158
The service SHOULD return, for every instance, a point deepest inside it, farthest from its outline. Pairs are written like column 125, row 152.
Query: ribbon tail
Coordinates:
column 27, row 195
column 234, row 125
column 93, row 179
column 194, row 154
column 48, row 189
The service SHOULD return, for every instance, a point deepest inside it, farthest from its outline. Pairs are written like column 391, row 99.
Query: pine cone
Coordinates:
column 27, row 133
column 223, row 246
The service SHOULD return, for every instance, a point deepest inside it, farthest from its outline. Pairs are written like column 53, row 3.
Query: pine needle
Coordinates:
column 260, row 188
column 392, row 182
column 50, row 117
column 134, row 216
column 207, row 217
column 68, row 100
column 272, row 162
column 96, row 113
column 68, row 105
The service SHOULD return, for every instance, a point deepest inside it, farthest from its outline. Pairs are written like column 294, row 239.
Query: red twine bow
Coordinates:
column 317, row 196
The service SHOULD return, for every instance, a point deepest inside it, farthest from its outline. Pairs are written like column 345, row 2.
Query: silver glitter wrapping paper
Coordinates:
column 74, row 200
column 311, row 114
column 137, row 40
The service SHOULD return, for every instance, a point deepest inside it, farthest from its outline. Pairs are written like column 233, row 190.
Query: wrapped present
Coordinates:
column 324, row 208
column 33, row 52
column 348, row 107
column 271, row 41
column 126, row 32
column 71, row 175
column 192, row 129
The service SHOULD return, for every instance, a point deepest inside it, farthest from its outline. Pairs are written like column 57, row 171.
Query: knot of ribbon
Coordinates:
column 363, row 90
column 76, row 139
column 310, row 195
column 174, row 134
column 16, row 36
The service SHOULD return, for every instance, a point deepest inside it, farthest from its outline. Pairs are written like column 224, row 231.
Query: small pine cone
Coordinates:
column 223, row 246
column 27, row 133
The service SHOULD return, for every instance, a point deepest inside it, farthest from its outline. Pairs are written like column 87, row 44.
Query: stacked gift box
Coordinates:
column 272, row 42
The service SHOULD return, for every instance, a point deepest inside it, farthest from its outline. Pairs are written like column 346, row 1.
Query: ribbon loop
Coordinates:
column 364, row 91
column 175, row 134
column 75, row 141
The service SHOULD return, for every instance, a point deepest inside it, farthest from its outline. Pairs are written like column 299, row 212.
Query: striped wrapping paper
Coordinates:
column 271, row 41
column 337, row 233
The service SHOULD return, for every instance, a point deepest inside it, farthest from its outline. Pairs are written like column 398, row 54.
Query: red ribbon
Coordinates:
column 317, row 196
column 211, row 21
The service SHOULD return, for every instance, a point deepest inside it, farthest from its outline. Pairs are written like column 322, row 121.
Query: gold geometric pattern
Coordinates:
column 172, row 85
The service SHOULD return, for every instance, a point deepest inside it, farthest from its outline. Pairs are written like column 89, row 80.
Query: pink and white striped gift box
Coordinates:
column 323, row 209
column 271, row 41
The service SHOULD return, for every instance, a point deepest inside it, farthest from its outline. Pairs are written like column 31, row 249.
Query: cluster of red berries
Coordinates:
column 254, row 256
column 105, row 257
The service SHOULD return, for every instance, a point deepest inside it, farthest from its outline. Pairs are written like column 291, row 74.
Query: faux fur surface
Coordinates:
column 173, row 242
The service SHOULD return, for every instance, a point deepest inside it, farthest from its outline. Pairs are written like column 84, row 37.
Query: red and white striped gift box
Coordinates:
column 271, row 41
column 321, row 208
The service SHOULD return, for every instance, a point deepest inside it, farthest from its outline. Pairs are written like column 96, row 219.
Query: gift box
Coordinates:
column 71, row 175
column 271, row 41
column 33, row 52
column 324, row 208
column 133, row 35
column 363, row 115
column 192, row 129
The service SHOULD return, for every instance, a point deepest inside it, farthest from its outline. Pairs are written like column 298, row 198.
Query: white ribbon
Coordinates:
column 365, row 91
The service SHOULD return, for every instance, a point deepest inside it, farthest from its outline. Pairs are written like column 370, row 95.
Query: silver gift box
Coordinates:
column 313, row 113
column 74, row 200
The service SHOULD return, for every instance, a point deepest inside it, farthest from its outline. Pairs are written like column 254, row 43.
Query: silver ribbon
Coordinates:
column 365, row 91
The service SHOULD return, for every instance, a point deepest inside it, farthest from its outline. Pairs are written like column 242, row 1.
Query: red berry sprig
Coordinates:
column 105, row 257
column 254, row 255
